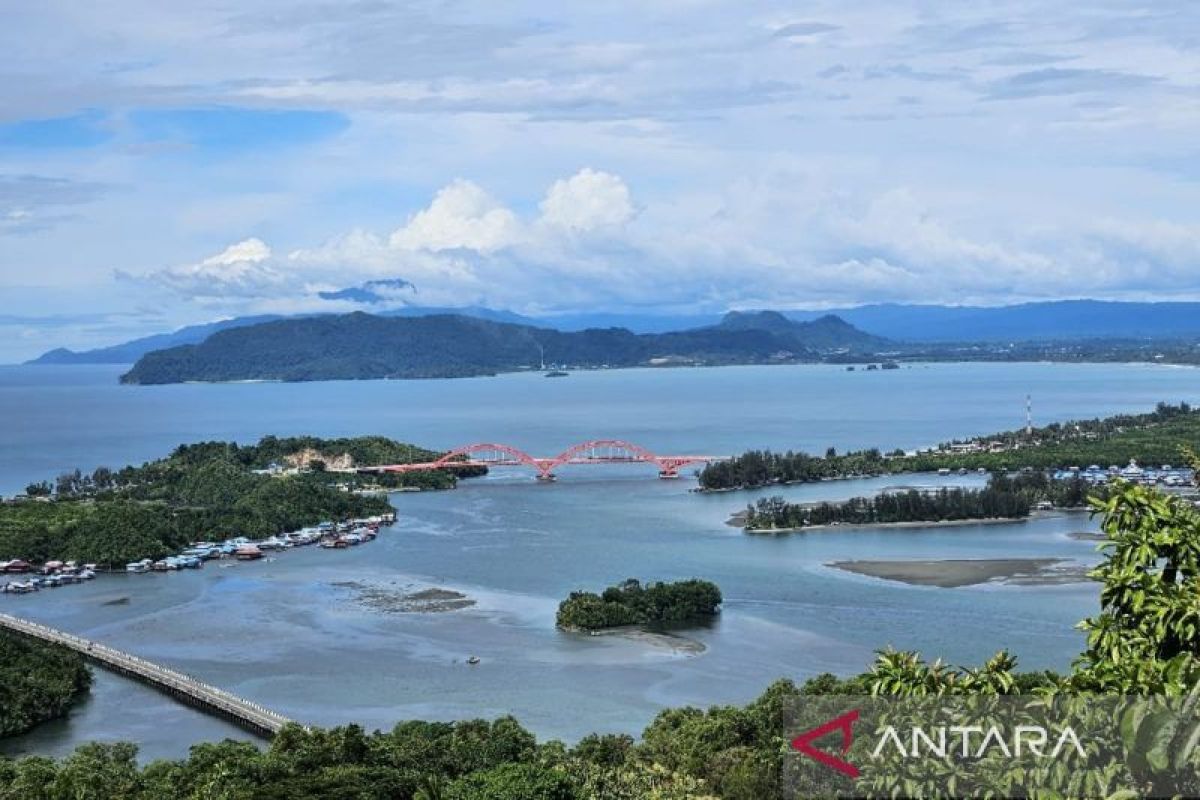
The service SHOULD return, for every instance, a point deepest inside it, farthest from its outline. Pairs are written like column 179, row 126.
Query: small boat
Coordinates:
column 247, row 553
column 557, row 373
column 139, row 566
column 473, row 660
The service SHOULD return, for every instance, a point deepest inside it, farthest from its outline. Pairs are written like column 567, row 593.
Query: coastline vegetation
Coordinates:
column 1005, row 497
column 1151, row 438
column 1142, row 641
column 631, row 603
column 38, row 682
column 201, row 492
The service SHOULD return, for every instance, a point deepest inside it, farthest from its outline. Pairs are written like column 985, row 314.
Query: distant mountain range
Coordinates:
column 1063, row 320
column 1067, row 320
column 131, row 351
column 362, row 346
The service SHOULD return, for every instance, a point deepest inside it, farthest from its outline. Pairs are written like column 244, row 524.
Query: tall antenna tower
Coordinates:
column 1028, row 415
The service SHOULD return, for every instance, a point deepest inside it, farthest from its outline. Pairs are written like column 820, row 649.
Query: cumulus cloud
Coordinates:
column 461, row 217
column 243, row 269
column 785, row 238
column 587, row 201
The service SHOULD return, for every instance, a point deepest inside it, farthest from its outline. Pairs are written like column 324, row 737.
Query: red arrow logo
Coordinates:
column 804, row 742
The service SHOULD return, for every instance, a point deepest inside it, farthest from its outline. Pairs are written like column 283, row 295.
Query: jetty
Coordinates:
column 186, row 689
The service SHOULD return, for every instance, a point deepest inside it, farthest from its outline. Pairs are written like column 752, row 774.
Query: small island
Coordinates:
column 1005, row 497
column 630, row 604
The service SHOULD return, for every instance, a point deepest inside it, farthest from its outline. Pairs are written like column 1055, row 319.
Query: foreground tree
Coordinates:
column 1146, row 638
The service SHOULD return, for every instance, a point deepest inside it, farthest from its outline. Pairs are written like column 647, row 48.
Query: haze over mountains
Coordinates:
column 1065, row 320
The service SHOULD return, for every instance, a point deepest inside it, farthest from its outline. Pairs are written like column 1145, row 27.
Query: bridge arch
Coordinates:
column 510, row 456
column 634, row 452
column 593, row 451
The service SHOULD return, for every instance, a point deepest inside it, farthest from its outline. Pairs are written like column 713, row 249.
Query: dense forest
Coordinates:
column 362, row 346
column 1140, row 643
column 38, row 682
column 1005, row 497
column 631, row 603
column 200, row 491
column 1152, row 438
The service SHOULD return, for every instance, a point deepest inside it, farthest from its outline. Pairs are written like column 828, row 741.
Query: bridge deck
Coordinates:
column 209, row 698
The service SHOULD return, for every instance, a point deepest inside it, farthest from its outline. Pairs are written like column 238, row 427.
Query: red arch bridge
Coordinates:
column 598, row 451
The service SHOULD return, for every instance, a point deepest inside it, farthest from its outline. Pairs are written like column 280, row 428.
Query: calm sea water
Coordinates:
column 289, row 633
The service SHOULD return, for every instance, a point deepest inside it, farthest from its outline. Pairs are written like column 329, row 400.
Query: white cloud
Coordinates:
column 461, row 217
column 243, row 269
column 586, row 201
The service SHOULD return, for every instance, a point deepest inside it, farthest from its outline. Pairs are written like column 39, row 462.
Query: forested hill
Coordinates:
column 361, row 345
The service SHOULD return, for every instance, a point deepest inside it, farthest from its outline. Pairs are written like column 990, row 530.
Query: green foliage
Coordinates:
column 775, row 513
column 1146, row 637
column 631, row 603
column 1006, row 497
column 1139, row 644
column 207, row 490
column 1152, row 438
column 38, row 682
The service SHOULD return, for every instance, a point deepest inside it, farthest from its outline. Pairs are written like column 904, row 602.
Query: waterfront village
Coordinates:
column 327, row 535
column 1165, row 476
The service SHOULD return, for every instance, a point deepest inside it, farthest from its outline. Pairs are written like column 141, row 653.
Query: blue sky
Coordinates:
column 164, row 164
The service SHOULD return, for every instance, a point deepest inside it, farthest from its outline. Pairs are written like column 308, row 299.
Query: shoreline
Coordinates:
column 916, row 361
column 957, row 573
column 861, row 526
column 738, row 520
column 675, row 643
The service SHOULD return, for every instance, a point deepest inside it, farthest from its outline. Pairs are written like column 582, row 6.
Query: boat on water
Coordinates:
column 247, row 552
column 139, row 566
column 557, row 373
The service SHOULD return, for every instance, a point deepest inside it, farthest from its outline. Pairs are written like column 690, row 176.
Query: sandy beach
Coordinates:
column 680, row 645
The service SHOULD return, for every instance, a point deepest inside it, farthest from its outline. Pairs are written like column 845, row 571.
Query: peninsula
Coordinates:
column 110, row 518
column 1159, row 437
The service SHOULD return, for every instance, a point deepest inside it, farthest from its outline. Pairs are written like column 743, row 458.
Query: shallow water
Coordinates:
column 282, row 633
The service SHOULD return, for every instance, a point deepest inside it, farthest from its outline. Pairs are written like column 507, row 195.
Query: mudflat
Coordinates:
column 953, row 573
